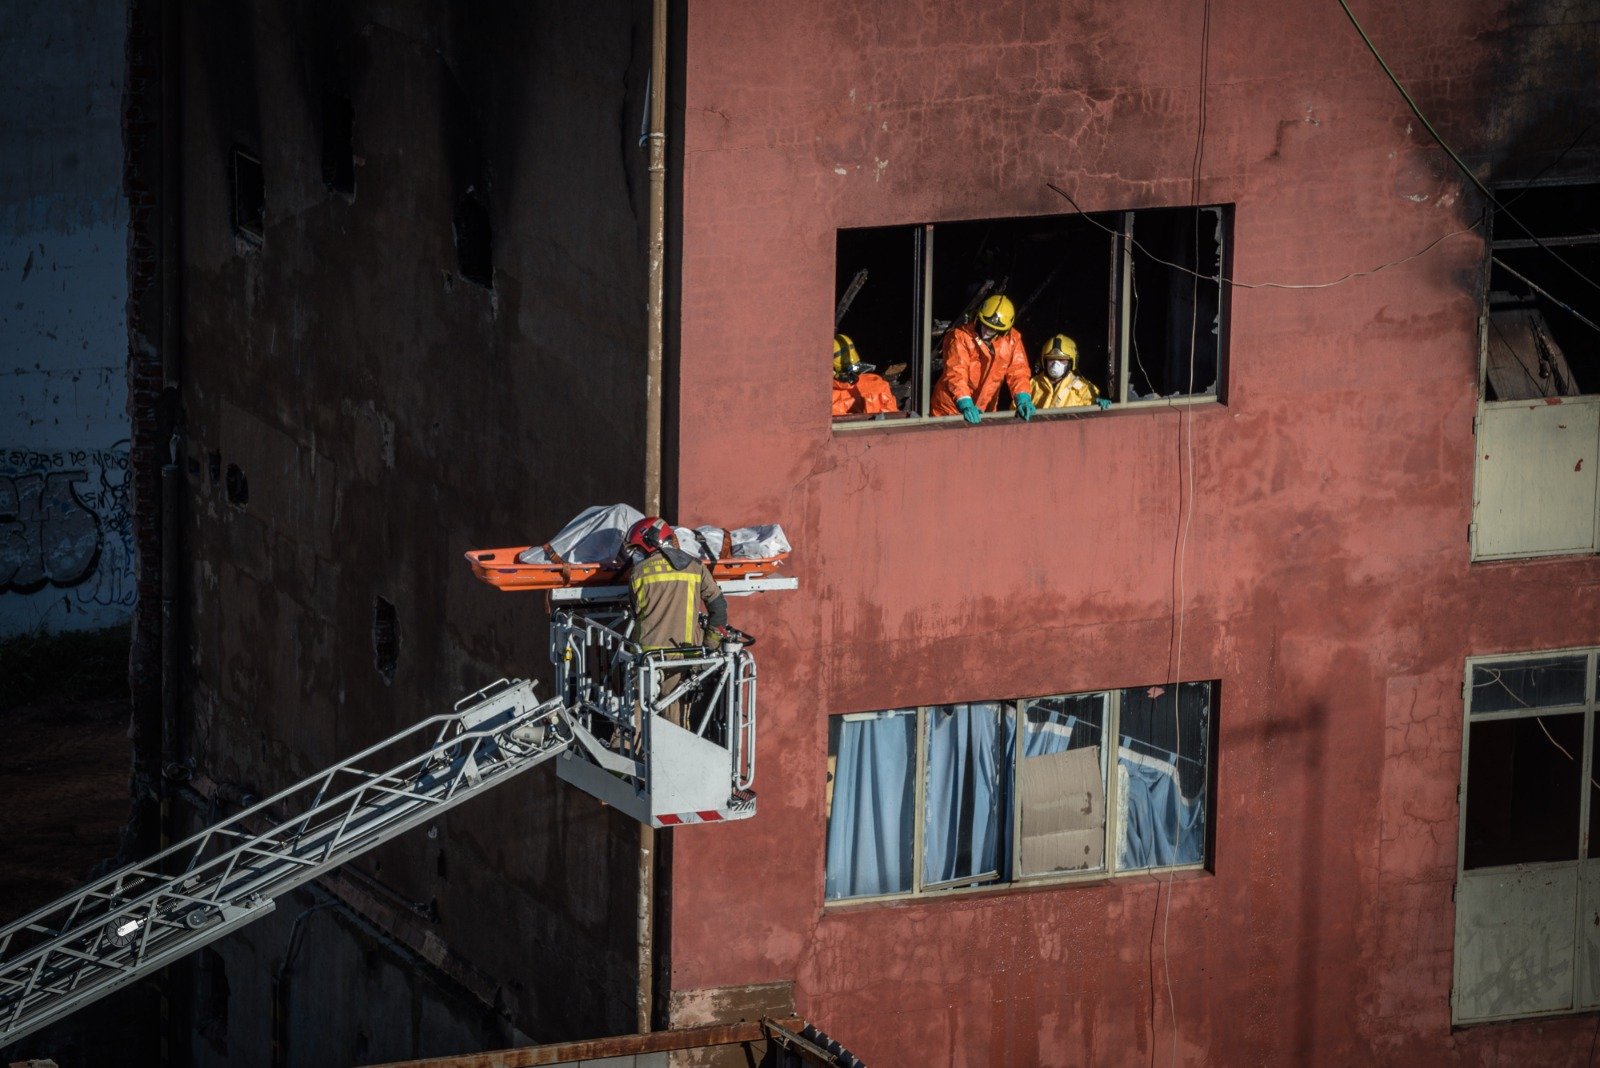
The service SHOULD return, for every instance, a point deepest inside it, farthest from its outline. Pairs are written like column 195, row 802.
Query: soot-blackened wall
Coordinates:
column 364, row 402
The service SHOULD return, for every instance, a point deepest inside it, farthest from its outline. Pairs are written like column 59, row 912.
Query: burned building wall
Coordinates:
column 412, row 324
column 1305, row 542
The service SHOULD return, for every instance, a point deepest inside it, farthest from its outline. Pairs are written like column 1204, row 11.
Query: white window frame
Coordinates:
column 1588, row 709
column 1498, row 412
column 1112, row 729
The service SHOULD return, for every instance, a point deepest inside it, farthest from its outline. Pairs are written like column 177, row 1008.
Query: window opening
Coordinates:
column 474, row 240
column 237, row 486
column 1140, row 293
column 1527, row 893
column 991, row 807
column 1543, row 336
column 338, row 143
column 249, row 195
column 385, row 639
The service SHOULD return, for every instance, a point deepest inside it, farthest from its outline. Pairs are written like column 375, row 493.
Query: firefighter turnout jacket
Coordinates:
column 667, row 588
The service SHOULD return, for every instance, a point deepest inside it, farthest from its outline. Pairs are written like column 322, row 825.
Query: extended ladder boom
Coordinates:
column 138, row 919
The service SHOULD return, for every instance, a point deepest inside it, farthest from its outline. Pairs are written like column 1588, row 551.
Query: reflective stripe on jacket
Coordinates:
column 666, row 601
column 868, row 395
column 1070, row 392
column 976, row 368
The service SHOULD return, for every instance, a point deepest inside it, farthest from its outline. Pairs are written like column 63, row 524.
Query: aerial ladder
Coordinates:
column 602, row 726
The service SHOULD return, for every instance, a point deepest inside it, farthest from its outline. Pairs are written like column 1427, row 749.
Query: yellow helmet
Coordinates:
column 846, row 361
column 997, row 313
column 1061, row 347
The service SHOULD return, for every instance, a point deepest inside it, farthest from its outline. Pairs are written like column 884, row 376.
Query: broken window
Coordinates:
column 1528, row 875
column 249, row 196
column 338, row 143
column 983, row 794
column 1538, row 427
column 1544, row 306
column 474, row 240
column 1140, row 292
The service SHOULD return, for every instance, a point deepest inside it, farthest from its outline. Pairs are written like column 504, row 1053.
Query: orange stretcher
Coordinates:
column 500, row 569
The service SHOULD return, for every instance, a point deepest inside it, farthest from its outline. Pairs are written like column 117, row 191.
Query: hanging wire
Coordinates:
column 1225, row 280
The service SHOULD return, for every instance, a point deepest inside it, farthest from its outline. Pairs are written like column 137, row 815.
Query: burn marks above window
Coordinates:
column 474, row 240
column 249, row 196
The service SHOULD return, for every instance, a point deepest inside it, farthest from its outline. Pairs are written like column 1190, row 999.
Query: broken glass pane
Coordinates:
column 1522, row 790
column 1176, row 289
column 1513, row 684
column 1162, row 775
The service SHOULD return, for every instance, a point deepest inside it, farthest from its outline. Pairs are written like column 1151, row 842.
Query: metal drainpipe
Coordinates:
column 654, row 341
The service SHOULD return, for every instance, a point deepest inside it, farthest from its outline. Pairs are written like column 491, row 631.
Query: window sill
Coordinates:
column 857, row 425
column 1186, row 873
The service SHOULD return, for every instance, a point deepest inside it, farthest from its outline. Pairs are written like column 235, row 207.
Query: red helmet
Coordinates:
column 647, row 535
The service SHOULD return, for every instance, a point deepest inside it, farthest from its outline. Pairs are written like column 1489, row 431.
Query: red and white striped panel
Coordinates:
column 689, row 817
column 680, row 819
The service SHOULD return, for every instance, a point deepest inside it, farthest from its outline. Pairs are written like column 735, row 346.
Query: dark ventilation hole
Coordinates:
column 385, row 640
column 249, row 196
column 238, row 486
column 338, row 143
column 444, row 868
column 474, row 243
column 214, row 466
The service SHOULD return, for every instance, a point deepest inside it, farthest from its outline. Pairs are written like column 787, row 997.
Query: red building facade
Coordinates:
column 1301, row 542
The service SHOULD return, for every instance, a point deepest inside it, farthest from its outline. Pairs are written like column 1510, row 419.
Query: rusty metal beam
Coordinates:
column 595, row 1049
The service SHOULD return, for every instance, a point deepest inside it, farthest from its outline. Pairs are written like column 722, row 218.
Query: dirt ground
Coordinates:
column 63, row 796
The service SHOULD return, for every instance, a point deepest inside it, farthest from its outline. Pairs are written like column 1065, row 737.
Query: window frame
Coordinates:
column 1581, row 406
column 1119, row 319
column 1589, row 708
column 1011, row 880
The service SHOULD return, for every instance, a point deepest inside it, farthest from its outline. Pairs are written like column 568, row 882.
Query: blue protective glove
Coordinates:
column 1102, row 403
column 969, row 411
column 1025, row 408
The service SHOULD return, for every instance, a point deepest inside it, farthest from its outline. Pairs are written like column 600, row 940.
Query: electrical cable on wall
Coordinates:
column 1454, row 158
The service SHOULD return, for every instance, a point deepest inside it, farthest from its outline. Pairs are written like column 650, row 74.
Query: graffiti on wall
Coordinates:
column 65, row 522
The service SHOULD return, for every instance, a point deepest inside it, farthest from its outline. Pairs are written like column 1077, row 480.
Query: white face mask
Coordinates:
column 1056, row 368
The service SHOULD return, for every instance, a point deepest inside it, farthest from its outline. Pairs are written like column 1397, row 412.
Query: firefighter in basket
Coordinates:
column 666, row 587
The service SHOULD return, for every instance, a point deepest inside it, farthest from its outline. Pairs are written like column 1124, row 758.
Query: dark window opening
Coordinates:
column 474, row 241
column 1543, row 335
column 1140, row 293
column 385, row 639
column 249, row 196
column 214, row 466
column 1523, row 790
column 338, row 143
column 879, row 304
column 237, row 486
column 1177, row 314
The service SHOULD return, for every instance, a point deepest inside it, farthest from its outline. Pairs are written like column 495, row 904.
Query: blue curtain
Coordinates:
column 1162, row 826
column 967, row 815
column 870, row 829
